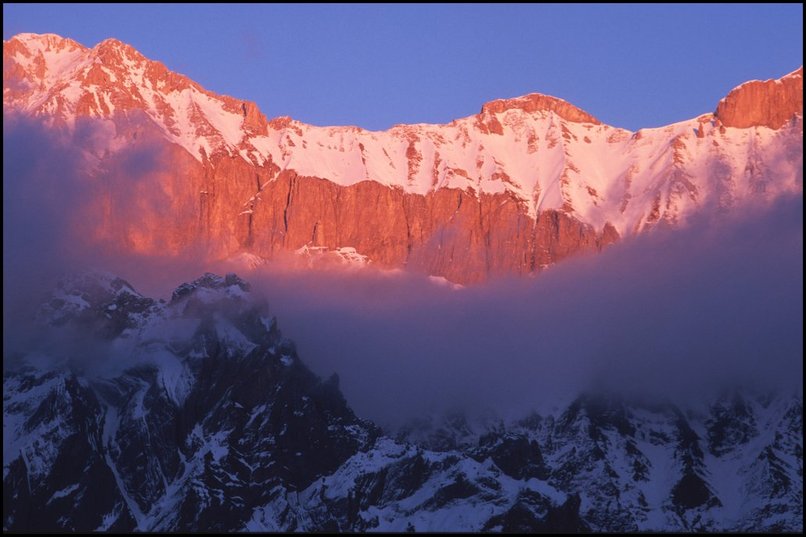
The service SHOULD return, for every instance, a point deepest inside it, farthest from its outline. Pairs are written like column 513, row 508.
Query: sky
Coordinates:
column 374, row 66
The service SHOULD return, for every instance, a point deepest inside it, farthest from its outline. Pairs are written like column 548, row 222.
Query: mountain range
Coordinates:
column 524, row 183
column 195, row 414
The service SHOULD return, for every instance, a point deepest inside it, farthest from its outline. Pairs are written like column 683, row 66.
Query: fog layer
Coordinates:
column 715, row 302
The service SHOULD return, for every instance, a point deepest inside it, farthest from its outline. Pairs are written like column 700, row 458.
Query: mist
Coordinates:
column 677, row 311
column 52, row 182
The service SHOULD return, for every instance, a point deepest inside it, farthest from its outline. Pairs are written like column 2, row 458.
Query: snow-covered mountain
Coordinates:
column 196, row 414
column 512, row 189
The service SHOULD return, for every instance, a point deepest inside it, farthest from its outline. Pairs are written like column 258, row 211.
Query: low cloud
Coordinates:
column 717, row 302
column 679, row 311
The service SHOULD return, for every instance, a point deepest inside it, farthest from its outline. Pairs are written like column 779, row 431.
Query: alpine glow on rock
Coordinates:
column 526, row 182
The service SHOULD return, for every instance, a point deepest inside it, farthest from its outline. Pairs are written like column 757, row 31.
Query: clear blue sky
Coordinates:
column 377, row 65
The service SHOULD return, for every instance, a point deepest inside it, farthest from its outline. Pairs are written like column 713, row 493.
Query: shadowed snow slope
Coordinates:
column 196, row 414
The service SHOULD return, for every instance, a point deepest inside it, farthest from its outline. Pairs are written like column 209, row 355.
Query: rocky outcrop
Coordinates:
column 769, row 103
column 254, row 121
column 537, row 102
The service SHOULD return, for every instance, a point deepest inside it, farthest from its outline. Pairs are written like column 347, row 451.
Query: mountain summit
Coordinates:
column 523, row 184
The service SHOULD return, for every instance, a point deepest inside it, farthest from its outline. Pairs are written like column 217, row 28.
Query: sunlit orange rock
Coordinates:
column 770, row 103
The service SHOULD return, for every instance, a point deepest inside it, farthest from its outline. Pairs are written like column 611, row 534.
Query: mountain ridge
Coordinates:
column 515, row 188
column 198, row 415
column 530, row 102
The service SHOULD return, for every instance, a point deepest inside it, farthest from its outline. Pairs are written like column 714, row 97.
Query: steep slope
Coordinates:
column 521, row 185
column 196, row 414
column 197, row 409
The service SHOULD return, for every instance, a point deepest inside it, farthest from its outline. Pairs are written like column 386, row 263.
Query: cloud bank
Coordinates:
column 675, row 311
column 717, row 302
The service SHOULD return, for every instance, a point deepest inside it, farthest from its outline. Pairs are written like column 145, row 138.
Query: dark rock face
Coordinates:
column 691, row 491
column 199, row 415
column 81, row 489
column 516, row 455
column 192, row 446
column 733, row 425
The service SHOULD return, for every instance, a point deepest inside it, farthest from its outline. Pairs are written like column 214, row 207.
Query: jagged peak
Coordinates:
column 530, row 103
column 95, row 279
column 538, row 102
column 28, row 45
column 50, row 41
column 87, row 292
column 213, row 282
column 112, row 44
column 47, row 39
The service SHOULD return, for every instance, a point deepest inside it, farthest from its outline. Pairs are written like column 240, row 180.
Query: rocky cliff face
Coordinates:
column 771, row 103
column 519, row 186
column 196, row 414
